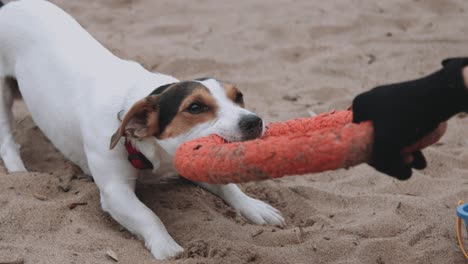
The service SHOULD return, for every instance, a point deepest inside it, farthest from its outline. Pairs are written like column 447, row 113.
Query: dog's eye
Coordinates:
column 196, row 108
column 239, row 98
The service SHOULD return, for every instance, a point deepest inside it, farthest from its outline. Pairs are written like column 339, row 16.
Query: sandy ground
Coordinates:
column 289, row 57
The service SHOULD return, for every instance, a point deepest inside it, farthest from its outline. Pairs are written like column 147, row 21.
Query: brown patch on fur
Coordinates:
column 185, row 121
column 140, row 121
column 231, row 92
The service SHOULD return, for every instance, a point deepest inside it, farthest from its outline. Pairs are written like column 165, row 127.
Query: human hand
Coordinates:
column 403, row 113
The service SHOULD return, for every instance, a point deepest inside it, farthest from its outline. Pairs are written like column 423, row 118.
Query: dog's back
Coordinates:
column 71, row 84
column 43, row 27
column 55, row 63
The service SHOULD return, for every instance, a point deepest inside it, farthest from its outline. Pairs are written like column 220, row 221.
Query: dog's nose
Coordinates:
column 250, row 122
column 251, row 126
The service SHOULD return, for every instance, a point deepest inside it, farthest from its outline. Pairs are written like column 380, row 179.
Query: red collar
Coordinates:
column 136, row 158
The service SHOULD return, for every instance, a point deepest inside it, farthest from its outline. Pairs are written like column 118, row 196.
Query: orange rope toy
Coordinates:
column 328, row 141
column 325, row 142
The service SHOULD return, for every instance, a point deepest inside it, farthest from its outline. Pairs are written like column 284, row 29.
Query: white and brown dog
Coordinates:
column 75, row 89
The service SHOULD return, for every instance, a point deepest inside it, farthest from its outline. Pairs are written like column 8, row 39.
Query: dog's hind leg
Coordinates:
column 9, row 150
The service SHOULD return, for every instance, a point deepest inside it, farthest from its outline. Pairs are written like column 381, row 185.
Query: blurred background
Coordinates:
column 290, row 58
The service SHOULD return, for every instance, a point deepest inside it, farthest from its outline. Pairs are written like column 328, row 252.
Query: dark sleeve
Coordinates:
column 402, row 113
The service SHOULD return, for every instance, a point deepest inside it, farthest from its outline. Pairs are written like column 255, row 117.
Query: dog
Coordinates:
column 94, row 106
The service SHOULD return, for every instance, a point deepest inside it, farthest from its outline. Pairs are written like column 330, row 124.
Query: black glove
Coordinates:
column 405, row 112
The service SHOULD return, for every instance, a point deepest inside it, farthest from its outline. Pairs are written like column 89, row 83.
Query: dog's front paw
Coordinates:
column 15, row 167
column 259, row 212
column 164, row 248
column 13, row 163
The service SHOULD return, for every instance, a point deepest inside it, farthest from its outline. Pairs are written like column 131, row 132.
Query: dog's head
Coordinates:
column 183, row 111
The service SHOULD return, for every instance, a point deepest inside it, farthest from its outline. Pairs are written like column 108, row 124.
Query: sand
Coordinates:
column 289, row 58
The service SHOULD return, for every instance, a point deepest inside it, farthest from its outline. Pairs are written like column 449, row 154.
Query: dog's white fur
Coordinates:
column 74, row 88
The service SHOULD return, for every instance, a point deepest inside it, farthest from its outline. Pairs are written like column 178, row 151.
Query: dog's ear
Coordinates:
column 140, row 121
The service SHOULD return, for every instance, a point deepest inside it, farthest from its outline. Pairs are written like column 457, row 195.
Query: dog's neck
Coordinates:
column 151, row 150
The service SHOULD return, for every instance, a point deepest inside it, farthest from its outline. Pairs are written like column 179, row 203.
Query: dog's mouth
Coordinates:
column 252, row 135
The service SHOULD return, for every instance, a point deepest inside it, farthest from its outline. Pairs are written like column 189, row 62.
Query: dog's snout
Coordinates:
column 250, row 122
column 251, row 126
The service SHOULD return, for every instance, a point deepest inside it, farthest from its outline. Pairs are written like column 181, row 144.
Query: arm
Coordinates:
column 403, row 113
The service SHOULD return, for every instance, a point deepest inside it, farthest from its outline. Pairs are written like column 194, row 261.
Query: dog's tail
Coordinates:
column 1, row 4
